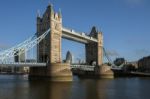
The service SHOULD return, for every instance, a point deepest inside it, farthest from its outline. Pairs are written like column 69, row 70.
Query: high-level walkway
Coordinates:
column 76, row 36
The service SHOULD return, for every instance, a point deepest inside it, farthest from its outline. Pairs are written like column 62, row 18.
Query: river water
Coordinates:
column 18, row 87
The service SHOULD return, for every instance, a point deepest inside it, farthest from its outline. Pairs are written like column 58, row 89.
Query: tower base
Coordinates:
column 53, row 72
column 104, row 71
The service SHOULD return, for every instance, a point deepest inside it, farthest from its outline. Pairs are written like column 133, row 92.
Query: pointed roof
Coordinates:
column 50, row 8
column 94, row 31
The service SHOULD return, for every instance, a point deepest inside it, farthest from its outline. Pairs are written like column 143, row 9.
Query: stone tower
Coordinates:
column 49, row 49
column 94, row 50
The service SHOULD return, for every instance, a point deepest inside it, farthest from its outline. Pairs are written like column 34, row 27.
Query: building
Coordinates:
column 144, row 64
column 19, row 56
column 133, row 63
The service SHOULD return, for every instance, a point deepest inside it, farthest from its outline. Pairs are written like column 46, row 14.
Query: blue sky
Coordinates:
column 125, row 24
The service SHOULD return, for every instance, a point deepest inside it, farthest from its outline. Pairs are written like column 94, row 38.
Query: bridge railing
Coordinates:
column 23, row 64
column 83, row 67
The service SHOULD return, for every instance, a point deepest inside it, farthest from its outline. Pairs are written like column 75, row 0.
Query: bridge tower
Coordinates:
column 94, row 50
column 49, row 49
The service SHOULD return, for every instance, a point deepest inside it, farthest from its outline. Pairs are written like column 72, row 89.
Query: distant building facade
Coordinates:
column 69, row 57
column 134, row 64
column 144, row 64
column 19, row 56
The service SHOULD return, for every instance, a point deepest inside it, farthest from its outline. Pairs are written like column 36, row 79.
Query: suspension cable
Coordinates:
column 106, row 55
column 22, row 47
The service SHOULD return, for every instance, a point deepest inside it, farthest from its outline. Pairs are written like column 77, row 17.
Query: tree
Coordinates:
column 119, row 61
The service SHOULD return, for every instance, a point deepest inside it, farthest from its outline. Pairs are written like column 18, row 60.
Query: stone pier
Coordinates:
column 54, row 72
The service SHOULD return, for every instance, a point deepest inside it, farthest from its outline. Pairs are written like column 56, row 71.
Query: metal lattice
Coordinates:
column 22, row 47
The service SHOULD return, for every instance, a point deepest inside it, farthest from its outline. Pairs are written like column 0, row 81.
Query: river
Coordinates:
column 18, row 87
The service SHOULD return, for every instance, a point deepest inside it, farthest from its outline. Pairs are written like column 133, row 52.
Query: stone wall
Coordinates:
column 144, row 64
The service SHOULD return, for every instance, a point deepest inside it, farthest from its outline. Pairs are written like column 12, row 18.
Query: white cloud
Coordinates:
column 135, row 2
column 137, row 54
column 3, row 46
column 142, row 52
column 112, row 53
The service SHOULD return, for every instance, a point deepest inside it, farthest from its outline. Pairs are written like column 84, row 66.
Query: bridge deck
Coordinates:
column 23, row 64
column 83, row 67
column 19, row 64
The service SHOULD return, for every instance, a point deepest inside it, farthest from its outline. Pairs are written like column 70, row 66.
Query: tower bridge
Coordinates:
column 50, row 31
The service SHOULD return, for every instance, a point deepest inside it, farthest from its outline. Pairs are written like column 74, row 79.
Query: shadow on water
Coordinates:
column 49, row 90
column 88, row 89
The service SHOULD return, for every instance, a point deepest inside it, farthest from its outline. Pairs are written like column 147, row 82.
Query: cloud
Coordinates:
column 3, row 46
column 135, row 2
column 142, row 52
column 113, row 53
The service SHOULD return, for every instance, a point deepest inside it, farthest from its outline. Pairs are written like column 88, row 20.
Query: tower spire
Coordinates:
column 49, row 3
column 50, row 8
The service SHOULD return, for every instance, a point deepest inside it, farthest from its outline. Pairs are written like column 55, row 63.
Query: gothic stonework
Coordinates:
column 50, row 48
column 94, row 50
column 100, row 49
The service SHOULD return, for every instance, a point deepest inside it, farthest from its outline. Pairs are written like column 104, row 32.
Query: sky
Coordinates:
column 125, row 24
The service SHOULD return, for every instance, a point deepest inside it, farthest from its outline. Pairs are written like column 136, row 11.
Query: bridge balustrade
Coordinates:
column 25, row 64
column 83, row 67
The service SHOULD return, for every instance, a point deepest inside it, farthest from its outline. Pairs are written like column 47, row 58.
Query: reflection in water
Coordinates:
column 18, row 87
column 49, row 90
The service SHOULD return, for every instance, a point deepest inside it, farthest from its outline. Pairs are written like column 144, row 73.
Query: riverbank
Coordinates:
column 121, row 73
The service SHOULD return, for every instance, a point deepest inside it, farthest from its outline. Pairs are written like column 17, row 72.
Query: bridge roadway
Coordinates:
column 83, row 67
column 19, row 64
column 76, row 36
